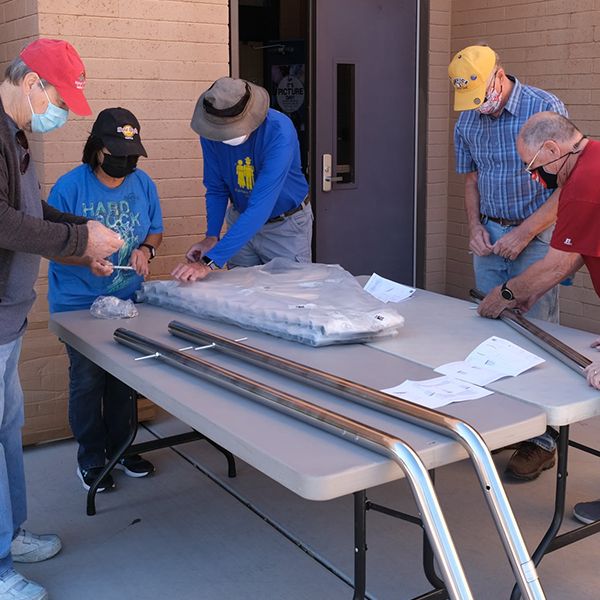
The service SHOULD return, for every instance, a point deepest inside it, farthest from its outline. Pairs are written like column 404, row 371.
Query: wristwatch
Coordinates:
column 506, row 292
column 151, row 249
column 209, row 262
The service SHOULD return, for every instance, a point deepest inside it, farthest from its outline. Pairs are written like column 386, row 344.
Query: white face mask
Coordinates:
column 236, row 141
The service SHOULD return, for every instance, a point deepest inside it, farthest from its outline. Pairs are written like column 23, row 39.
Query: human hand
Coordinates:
column 102, row 241
column 191, row 271
column 479, row 240
column 592, row 374
column 139, row 261
column 493, row 304
column 198, row 250
column 595, row 344
column 100, row 267
column 512, row 243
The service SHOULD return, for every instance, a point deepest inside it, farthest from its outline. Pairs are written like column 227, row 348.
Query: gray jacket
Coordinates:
column 57, row 234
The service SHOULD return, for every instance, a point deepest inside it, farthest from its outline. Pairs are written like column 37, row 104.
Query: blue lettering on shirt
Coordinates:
column 132, row 210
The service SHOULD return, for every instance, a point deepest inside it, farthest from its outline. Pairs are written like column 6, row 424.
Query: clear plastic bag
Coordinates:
column 314, row 304
column 111, row 307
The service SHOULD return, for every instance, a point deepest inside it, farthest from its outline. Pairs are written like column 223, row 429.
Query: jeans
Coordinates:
column 100, row 410
column 493, row 270
column 13, row 501
column 290, row 238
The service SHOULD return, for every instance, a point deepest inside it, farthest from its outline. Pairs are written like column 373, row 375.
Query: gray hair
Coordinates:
column 547, row 126
column 16, row 71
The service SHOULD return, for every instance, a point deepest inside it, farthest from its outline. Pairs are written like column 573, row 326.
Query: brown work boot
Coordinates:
column 529, row 461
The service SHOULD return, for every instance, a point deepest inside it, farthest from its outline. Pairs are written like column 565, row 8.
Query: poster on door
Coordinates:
column 288, row 84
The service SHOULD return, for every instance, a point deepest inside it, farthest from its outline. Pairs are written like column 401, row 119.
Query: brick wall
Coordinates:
column 153, row 57
column 550, row 44
column 437, row 147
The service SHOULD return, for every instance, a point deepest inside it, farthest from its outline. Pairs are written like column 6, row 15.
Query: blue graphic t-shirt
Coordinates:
column 132, row 210
column 262, row 177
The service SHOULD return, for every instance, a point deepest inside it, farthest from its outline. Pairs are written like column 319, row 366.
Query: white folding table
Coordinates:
column 310, row 462
column 440, row 329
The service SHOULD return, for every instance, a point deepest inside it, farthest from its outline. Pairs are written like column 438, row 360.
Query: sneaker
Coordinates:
column 13, row 586
column 28, row 547
column 529, row 461
column 135, row 466
column 587, row 512
column 88, row 476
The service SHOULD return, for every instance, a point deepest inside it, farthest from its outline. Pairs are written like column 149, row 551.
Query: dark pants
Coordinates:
column 100, row 410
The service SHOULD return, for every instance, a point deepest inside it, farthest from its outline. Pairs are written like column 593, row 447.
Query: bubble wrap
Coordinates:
column 314, row 304
column 111, row 307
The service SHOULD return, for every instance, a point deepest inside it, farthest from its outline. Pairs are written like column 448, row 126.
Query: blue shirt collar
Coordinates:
column 512, row 106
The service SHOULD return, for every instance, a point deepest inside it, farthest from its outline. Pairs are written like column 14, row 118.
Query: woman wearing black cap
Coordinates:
column 107, row 187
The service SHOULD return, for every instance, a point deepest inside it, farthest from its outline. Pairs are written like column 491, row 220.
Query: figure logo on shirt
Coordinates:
column 245, row 173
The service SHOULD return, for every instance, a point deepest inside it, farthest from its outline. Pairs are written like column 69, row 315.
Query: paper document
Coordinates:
column 493, row 359
column 437, row 392
column 387, row 290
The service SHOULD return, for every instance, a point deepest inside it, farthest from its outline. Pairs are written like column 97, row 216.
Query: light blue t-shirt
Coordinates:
column 132, row 210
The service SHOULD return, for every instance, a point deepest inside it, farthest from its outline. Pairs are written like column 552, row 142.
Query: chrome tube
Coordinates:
column 557, row 348
column 520, row 560
column 344, row 427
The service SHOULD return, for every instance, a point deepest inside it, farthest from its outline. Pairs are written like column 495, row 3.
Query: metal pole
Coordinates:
column 358, row 433
column 508, row 529
column 567, row 355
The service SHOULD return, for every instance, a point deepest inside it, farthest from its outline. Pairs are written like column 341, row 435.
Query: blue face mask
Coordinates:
column 53, row 118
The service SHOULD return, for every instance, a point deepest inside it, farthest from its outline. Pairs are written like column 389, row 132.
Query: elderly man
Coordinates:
column 509, row 216
column 39, row 89
column 557, row 154
column 251, row 158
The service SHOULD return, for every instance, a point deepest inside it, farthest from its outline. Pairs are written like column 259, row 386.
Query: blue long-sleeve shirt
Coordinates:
column 262, row 177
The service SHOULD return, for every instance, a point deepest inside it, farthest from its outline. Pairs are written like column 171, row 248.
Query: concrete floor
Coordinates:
column 180, row 535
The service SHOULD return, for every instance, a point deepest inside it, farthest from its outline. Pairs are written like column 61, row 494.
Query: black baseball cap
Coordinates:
column 119, row 131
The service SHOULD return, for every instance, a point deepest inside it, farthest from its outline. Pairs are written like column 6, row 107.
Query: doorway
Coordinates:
column 347, row 73
column 273, row 53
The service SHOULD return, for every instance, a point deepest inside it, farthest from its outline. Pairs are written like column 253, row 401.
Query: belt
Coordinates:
column 289, row 213
column 503, row 222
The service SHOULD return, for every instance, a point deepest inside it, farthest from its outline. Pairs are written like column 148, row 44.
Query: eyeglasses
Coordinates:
column 22, row 140
column 529, row 169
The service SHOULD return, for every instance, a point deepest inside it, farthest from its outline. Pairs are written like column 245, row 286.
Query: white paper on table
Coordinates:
column 437, row 392
column 387, row 290
column 493, row 359
column 472, row 373
column 503, row 356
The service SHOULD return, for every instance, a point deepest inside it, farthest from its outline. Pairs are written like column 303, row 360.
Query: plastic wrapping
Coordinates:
column 314, row 304
column 111, row 307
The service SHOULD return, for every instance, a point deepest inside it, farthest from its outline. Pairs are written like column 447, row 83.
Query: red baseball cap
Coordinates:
column 57, row 62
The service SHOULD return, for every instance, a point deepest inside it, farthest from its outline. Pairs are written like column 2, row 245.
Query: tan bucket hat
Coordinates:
column 230, row 108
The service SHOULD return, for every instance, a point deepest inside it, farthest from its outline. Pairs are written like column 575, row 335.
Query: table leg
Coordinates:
column 128, row 449
column 360, row 544
column 91, row 495
column 562, row 447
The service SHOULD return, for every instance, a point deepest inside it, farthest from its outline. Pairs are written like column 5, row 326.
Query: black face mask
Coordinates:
column 119, row 166
column 550, row 180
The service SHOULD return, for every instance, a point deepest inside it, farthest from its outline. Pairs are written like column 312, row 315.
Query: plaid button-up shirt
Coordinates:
column 488, row 145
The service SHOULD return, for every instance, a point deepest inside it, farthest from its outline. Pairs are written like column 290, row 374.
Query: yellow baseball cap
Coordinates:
column 469, row 72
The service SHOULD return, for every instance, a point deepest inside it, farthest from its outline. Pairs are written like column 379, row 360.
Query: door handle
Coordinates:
column 328, row 177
